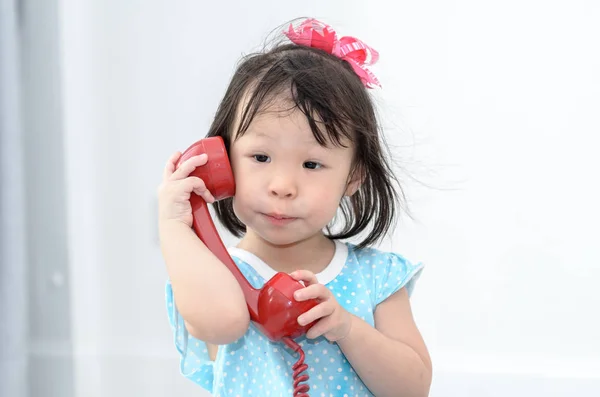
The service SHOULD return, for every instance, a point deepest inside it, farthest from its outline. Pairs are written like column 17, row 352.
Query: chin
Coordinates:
column 279, row 239
column 288, row 238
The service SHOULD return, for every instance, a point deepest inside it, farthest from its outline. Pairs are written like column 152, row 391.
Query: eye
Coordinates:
column 261, row 158
column 312, row 165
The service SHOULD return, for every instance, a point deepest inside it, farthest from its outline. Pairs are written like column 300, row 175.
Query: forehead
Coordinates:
column 289, row 128
column 280, row 114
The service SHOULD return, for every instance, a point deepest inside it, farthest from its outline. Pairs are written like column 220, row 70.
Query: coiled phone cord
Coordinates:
column 300, row 388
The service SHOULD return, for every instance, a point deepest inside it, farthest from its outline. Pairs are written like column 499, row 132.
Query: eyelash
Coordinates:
column 259, row 155
column 318, row 165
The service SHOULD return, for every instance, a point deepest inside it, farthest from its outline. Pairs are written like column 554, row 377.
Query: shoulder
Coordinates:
column 380, row 261
column 386, row 271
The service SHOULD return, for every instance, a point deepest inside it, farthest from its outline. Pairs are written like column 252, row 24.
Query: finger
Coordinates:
column 192, row 184
column 170, row 166
column 197, row 186
column 188, row 166
column 313, row 291
column 321, row 310
column 205, row 194
column 320, row 328
column 306, row 276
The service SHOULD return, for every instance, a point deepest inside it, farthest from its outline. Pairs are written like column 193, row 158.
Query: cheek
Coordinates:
column 246, row 187
column 241, row 173
column 244, row 181
column 326, row 200
column 240, row 201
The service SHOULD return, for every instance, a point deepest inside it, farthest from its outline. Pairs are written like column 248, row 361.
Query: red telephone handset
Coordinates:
column 272, row 308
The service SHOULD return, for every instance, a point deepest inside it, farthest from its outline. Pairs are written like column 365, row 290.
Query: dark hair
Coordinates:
column 337, row 107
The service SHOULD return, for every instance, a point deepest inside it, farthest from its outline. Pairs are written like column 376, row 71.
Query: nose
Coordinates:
column 283, row 185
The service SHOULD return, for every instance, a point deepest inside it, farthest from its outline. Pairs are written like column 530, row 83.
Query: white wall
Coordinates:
column 495, row 105
column 38, row 169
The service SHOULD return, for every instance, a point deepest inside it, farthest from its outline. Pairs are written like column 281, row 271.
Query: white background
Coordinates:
column 492, row 108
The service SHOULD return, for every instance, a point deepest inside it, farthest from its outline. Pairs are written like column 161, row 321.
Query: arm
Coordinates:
column 205, row 292
column 391, row 359
column 207, row 295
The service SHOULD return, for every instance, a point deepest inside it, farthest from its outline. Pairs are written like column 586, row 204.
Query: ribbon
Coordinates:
column 316, row 34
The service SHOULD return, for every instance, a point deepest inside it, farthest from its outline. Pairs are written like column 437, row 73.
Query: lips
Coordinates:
column 279, row 216
column 279, row 219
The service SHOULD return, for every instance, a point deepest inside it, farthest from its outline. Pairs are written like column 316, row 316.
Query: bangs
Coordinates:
column 313, row 89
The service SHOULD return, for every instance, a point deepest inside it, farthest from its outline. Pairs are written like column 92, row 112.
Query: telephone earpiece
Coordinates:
column 272, row 308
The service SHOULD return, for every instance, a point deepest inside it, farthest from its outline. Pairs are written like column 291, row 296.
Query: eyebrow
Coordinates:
column 262, row 134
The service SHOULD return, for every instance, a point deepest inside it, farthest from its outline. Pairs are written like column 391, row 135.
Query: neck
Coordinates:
column 313, row 254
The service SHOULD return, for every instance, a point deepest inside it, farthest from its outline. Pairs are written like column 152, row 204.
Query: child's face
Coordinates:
column 288, row 187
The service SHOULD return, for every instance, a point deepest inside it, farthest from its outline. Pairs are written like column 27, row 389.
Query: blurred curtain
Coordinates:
column 13, row 269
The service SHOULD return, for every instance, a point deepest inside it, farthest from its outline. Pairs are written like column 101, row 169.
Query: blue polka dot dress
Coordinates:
column 255, row 366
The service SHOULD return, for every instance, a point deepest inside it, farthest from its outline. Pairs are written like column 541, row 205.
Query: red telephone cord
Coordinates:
column 300, row 390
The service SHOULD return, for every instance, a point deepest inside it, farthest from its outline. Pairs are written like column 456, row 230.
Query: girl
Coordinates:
column 303, row 141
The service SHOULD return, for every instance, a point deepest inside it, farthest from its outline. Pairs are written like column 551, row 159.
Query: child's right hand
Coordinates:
column 177, row 186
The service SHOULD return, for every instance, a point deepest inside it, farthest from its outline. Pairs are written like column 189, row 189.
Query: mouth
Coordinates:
column 279, row 219
column 279, row 216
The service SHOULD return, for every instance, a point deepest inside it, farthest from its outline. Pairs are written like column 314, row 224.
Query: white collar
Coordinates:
column 330, row 272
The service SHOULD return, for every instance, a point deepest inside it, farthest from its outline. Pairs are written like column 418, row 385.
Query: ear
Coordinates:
column 355, row 180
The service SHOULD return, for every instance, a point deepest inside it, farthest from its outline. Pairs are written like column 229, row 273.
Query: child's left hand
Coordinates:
column 334, row 321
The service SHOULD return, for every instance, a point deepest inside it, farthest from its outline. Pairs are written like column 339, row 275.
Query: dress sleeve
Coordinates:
column 393, row 273
column 194, row 360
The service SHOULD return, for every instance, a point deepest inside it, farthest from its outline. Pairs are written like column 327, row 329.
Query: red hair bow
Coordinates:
column 316, row 34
